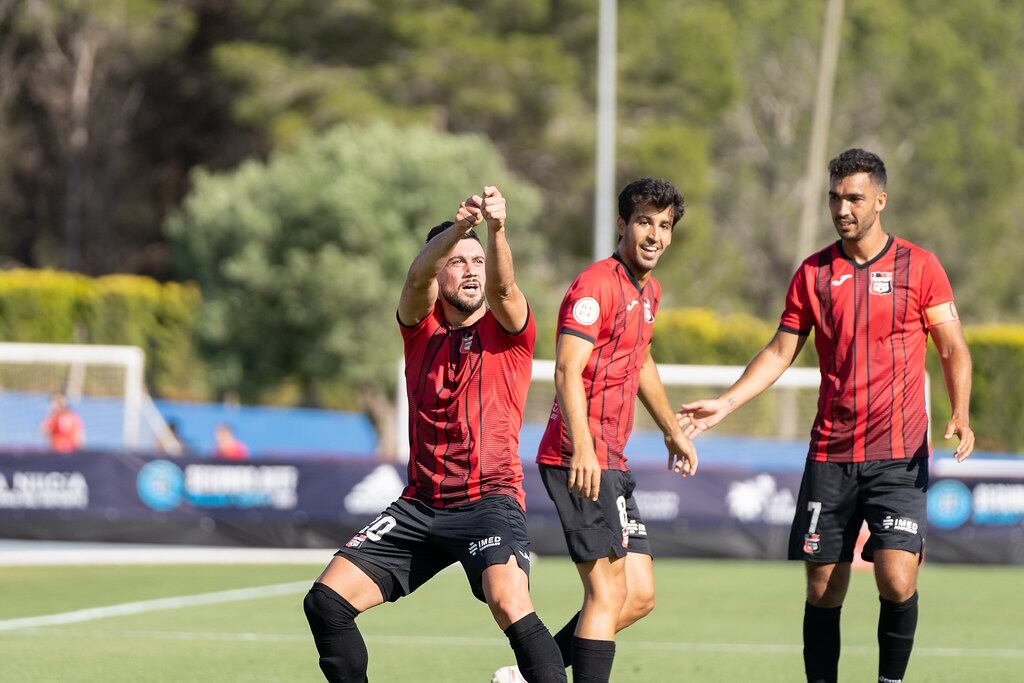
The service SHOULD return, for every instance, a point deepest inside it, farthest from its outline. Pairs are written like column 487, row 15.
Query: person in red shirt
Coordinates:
column 468, row 368
column 227, row 445
column 603, row 362
column 63, row 427
column 872, row 300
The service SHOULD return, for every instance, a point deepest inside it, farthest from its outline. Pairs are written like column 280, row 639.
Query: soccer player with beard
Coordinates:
column 467, row 372
column 872, row 300
column 603, row 362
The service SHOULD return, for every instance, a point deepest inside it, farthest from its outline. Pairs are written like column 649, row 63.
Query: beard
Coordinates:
column 461, row 302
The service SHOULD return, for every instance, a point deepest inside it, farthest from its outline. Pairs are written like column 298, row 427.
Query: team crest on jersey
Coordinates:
column 881, row 283
column 812, row 543
column 467, row 342
column 648, row 311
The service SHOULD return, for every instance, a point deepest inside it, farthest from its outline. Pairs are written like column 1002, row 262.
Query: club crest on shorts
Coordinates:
column 356, row 541
column 812, row 543
column 625, row 538
column 881, row 283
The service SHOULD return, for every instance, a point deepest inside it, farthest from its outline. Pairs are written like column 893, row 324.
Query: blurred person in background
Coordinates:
column 872, row 300
column 62, row 427
column 468, row 368
column 227, row 445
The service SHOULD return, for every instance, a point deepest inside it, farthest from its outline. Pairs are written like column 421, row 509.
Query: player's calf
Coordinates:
column 343, row 656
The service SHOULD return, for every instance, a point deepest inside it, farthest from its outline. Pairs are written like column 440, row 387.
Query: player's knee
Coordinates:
column 509, row 605
column 607, row 596
column 641, row 603
column 897, row 591
column 327, row 612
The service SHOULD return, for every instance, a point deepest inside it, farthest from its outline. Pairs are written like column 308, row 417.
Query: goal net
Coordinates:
column 103, row 385
column 771, row 431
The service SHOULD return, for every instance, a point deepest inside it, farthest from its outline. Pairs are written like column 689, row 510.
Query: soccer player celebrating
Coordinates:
column 872, row 300
column 603, row 362
column 467, row 373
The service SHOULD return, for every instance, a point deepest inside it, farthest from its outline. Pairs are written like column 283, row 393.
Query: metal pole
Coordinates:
column 604, row 191
column 815, row 172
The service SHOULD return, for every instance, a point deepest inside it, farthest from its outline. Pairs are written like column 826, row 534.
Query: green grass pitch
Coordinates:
column 714, row 621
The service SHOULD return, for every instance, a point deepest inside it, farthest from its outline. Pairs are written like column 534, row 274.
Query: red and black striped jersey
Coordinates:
column 605, row 305
column 871, row 335
column 466, row 388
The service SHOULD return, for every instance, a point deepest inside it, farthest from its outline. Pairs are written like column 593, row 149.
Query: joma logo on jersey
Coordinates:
column 483, row 544
column 881, row 283
column 907, row 526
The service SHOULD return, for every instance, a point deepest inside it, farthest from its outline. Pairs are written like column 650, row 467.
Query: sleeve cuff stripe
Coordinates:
column 792, row 330
column 577, row 333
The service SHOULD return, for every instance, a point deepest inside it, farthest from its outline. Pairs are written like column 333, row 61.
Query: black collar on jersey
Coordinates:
column 629, row 273
column 842, row 252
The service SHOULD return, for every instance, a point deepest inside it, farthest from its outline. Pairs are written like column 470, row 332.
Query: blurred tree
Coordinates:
column 301, row 259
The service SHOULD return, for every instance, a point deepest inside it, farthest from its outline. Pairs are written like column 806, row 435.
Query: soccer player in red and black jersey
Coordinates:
column 872, row 300
column 603, row 362
column 468, row 369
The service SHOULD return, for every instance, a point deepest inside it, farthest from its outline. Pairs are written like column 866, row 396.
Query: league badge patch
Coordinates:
column 881, row 283
column 812, row 544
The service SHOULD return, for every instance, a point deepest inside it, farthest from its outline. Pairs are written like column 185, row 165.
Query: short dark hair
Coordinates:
column 857, row 160
column 438, row 229
column 657, row 192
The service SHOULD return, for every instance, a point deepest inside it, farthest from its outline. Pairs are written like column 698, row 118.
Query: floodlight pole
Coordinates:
column 604, row 175
column 814, row 174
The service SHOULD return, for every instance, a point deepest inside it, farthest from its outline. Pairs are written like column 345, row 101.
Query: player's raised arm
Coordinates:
column 420, row 289
column 571, row 357
column 504, row 298
column 956, row 367
column 762, row 372
column 682, row 456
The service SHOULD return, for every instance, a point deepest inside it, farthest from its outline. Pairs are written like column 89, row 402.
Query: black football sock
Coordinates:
column 897, row 623
column 564, row 639
column 821, row 643
column 536, row 652
column 592, row 660
column 342, row 651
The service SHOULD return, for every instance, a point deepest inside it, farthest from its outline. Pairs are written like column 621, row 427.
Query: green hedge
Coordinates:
column 55, row 307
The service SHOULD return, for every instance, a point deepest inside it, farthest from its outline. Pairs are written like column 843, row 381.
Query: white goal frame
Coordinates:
column 137, row 403
column 693, row 375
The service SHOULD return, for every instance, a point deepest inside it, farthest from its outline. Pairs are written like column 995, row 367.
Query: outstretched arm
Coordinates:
column 420, row 290
column 504, row 298
column 762, row 371
column 956, row 367
column 682, row 456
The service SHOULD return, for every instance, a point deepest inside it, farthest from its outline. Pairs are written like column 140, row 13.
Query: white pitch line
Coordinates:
column 464, row 641
column 127, row 608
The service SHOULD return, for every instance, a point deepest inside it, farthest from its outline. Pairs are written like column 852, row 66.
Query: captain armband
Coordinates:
column 942, row 313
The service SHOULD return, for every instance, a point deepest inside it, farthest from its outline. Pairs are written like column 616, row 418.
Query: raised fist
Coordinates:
column 493, row 208
column 469, row 215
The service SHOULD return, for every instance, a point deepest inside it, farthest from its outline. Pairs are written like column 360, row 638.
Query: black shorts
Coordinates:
column 836, row 498
column 410, row 542
column 611, row 525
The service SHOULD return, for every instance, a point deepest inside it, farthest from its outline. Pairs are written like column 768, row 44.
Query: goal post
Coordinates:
column 105, row 381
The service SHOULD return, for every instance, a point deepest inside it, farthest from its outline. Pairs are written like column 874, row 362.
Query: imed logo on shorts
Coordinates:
column 907, row 526
column 483, row 544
